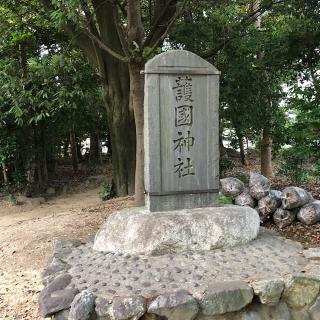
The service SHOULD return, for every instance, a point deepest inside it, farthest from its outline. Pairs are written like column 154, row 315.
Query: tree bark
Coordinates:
column 136, row 100
column 66, row 148
column 95, row 152
column 266, row 152
column 74, row 151
column 242, row 153
column 4, row 172
column 122, row 139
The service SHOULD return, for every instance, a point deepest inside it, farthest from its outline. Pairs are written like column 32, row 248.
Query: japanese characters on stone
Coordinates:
column 183, row 141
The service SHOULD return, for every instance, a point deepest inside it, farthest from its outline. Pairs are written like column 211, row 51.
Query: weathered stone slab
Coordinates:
column 225, row 297
column 138, row 231
column 181, row 132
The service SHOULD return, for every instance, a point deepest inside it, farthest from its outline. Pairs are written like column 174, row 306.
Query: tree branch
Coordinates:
column 165, row 33
column 102, row 46
column 245, row 22
column 120, row 31
column 156, row 24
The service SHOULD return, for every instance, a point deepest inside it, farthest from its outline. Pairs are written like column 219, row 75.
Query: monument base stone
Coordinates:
column 139, row 231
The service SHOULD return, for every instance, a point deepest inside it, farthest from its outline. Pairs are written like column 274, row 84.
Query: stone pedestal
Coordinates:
column 139, row 231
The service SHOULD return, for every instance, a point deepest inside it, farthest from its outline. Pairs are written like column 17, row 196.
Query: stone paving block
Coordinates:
column 175, row 306
column 82, row 306
column 268, row 291
column 121, row 308
column 225, row 297
column 300, row 291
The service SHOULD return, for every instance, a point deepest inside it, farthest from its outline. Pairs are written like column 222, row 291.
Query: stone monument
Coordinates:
column 157, row 262
column 181, row 168
column 181, row 132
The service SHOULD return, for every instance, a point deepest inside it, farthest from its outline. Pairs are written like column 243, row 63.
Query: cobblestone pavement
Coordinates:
column 110, row 274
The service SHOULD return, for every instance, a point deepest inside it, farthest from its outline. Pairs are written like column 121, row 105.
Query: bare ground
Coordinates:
column 26, row 237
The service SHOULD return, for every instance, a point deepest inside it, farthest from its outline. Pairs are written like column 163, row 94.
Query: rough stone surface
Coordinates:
column 111, row 274
column 315, row 310
column 62, row 248
column 300, row 292
column 121, row 308
column 225, row 297
column 268, row 291
column 138, row 231
column 181, row 132
column 57, row 296
column 175, row 306
column 82, row 306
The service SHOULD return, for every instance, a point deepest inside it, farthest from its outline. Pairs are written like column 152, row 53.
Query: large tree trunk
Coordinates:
column 5, row 172
column 95, row 152
column 266, row 152
column 136, row 100
column 242, row 152
column 74, row 151
column 122, row 140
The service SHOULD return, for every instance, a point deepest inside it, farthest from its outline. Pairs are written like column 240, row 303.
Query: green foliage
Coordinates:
column 224, row 199
column 108, row 190
column 293, row 165
column 225, row 165
column 12, row 198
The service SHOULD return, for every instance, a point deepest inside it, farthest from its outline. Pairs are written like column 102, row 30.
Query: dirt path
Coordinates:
column 26, row 237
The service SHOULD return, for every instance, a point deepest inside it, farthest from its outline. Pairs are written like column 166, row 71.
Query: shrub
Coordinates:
column 108, row 190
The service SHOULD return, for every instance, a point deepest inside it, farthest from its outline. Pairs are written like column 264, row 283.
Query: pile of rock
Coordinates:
column 282, row 207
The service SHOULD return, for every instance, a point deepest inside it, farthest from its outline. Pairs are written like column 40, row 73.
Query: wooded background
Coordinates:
column 70, row 70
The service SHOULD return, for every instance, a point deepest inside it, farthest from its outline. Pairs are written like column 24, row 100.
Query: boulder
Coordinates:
column 139, row 231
